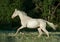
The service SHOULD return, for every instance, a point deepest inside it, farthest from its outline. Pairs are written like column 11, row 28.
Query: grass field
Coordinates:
column 28, row 37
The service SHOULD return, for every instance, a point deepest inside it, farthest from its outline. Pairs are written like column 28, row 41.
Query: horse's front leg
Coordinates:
column 40, row 32
column 18, row 30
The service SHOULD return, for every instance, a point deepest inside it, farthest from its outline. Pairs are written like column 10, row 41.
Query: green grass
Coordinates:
column 29, row 37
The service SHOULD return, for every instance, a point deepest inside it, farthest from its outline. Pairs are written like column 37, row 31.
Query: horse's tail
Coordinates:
column 51, row 24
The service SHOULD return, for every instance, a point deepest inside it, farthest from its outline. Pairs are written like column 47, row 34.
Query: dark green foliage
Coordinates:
column 45, row 9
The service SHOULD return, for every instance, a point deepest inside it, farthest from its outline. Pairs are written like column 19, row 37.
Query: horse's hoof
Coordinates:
column 47, row 37
column 39, row 36
column 14, row 35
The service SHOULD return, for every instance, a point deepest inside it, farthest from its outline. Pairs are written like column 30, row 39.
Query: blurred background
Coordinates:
column 44, row 9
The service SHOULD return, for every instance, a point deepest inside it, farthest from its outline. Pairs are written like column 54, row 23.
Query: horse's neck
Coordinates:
column 24, row 18
column 27, row 17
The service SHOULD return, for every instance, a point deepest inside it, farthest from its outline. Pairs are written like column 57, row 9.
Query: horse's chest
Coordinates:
column 24, row 22
column 32, row 24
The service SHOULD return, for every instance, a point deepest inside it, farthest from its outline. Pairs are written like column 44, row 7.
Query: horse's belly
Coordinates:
column 32, row 24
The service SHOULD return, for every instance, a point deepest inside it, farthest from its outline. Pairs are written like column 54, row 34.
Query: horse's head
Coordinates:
column 18, row 13
column 15, row 13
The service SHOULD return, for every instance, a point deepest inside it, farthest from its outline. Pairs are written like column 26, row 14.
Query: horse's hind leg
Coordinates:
column 43, row 27
column 40, row 32
column 45, row 32
column 18, row 30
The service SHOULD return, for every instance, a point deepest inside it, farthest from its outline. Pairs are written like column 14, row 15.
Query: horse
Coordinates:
column 29, row 22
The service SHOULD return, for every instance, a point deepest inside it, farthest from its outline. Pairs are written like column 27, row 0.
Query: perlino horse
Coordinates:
column 29, row 22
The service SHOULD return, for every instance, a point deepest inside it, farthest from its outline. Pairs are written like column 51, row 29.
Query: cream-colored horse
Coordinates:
column 29, row 22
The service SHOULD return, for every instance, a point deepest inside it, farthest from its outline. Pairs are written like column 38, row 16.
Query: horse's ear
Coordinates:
column 15, row 9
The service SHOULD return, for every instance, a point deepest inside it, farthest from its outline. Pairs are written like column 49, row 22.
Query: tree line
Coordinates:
column 45, row 9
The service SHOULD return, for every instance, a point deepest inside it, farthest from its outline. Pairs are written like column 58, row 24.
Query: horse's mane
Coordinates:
column 24, row 13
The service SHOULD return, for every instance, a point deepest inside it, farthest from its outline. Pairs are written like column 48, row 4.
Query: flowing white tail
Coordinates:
column 51, row 25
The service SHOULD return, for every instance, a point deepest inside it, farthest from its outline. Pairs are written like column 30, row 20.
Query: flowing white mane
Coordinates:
column 22, row 12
